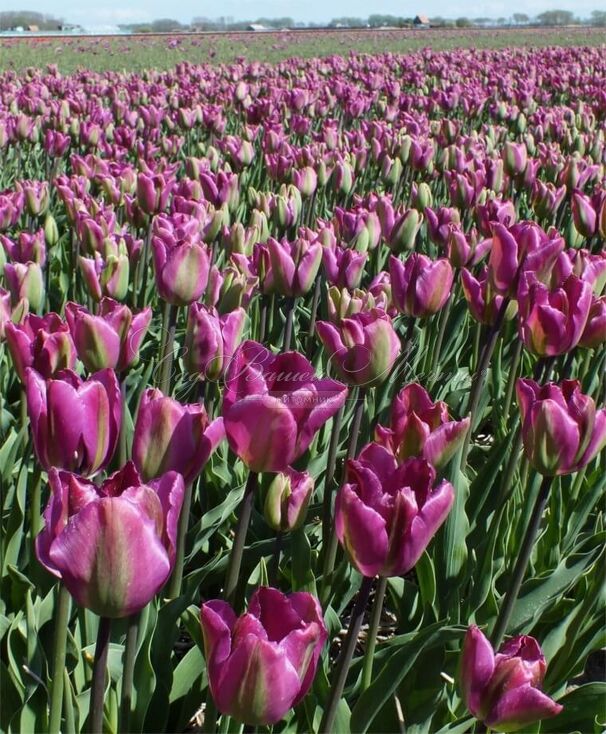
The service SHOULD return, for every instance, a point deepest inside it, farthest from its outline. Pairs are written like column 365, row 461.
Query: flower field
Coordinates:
column 303, row 372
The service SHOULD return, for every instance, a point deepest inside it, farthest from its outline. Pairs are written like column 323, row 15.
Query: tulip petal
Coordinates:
column 520, row 706
column 477, row 667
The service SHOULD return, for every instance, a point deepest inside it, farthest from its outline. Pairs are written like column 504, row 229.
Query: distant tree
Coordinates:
column 23, row 18
column 556, row 17
column 165, row 25
column 598, row 17
column 520, row 18
column 463, row 23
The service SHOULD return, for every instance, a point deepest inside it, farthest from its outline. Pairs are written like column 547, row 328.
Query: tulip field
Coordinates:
column 302, row 386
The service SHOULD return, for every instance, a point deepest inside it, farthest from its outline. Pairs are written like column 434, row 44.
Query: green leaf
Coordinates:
column 584, row 711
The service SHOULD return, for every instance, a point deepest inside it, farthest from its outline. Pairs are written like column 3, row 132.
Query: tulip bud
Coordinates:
column 420, row 286
column 25, row 281
column 594, row 334
column 41, row 342
column 51, row 232
column 287, row 499
column 210, row 340
column 422, row 196
column 561, row 428
column 405, row 230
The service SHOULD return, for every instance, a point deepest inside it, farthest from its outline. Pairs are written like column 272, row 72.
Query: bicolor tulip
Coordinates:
column 362, row 347
column 106, row 276
column 515, row 158
column 503, row 690
column 75, row 423
column 551, row 322
column 111, row 338
column 28, row 247
column 282, row 394
column 561, row 428
column 584, row 214
column 25, row 280
column 181, row 263
column 420, row 427
column 211, row 339
column 263, row 663
column 420, row 286
column 387, row 513
column 523, row 247
column 484, row 304
column 287, row 498
column 41, row 342
column 343, row 267
column 112, row 545
column 293, row 265
column 594, row 333
column 8, row 314
column 170, row 436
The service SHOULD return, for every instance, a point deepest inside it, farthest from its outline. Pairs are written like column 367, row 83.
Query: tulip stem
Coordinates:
column 174, row 586
column 479, row 377
column 437, row 347
column 264, row 306
column 57, row 680
column 521, row 565
column 235, row 557
column 97, row 693
column 312, row 319
column 331, row 549
column 371, row 639
column 166, row 357
column 128, row 670
column 344, row 661
column 330, row 474
column 288, row 326
column 123, row 446
column 511, row 379
column 274, row 571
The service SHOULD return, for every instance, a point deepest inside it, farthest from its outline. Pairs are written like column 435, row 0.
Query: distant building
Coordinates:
column 256, row 27
column 33, row 29
column 421, row 21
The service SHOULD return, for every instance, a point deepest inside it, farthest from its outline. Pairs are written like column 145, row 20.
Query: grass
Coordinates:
column 135, row 53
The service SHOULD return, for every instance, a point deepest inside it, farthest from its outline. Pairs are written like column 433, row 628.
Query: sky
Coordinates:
column 112, row 12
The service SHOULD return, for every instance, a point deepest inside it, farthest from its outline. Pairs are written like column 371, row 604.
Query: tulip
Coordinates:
column 515, row 158
column 503, row 690
column 181, row 263
column 362, row 348
column 420, row 286
column 420, row 427
column 551, row 322
column 583, row 214
column 343, row 303
column 264, row 662
column 287, row 499
column 294, row 266
column 523, row 247
column 41, row 342
column 111, row 338
column 211, row 339
column 106, row 276
column 483, row 303
column 153, row 192
column 438, row 223
column 594, row 333
column 75, row 423
column 170, row 436
column 112, row 545
column 8, row 314
column 282, row 394
column 561, row 428
column 29, row 247
column 404, row 231
column 25, row 281
column 343, row 267
column 386, row 513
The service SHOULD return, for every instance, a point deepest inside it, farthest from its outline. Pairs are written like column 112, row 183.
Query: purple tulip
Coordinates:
column 153, row 192
column 211, row 339
column 584, row 214
column 111, row 338
column 75, row 423
column 503, row 690
column 107, row 276
column 282, row 394
column 112, row 545
column 362, row 348
column 484, row 304
column 420, row 427
column 387, row 513
column 181, row 262
column 41, row 342
column 594, row 333
column 561, row 428
column 294, row 265
column 420, row 286
column 171, row 436
column 515, row 158
column 263, row 663
column 343, row 267
column 551, row 322
column 29, row 247
column 287, row 499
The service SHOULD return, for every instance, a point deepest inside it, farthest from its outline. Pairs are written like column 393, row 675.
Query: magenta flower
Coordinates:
column 263, row 663
column 362, row 348
column 594, row 333
column 170, row 436
column 551, row 322
column 484, row 304
column 25, row 281
column 111, row 338
column 282, row 394
column 211, row 339
column 75, row 423
column 112, row 545
column 503, row 690
column 420, row 286
column 294, row 265
column 420, row 427
column 28, row 247
column 343, row 267
column 41, row 342
column 561, row 428
column 287, row 499
column 386, row 513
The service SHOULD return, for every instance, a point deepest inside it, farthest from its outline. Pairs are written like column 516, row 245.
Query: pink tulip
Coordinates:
column 41, row 342
column 420, row 286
